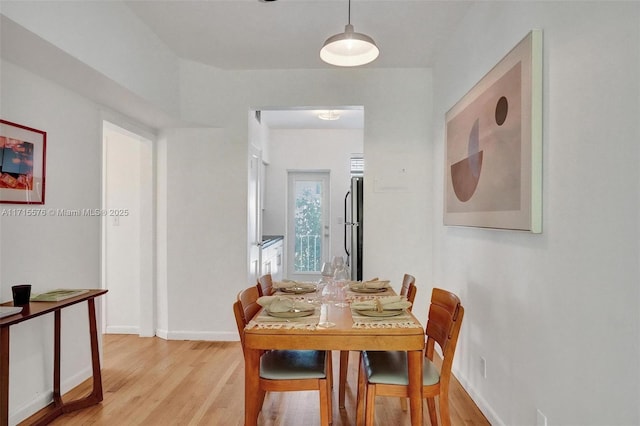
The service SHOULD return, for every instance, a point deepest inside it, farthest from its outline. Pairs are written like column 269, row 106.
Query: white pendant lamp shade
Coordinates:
column 349, row 49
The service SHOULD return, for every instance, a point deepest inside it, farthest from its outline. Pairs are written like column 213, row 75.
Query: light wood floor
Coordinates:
column 151, row 381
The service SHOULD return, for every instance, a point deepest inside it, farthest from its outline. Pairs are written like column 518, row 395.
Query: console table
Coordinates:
column 36, row 309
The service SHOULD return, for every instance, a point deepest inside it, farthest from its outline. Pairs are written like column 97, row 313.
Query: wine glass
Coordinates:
column 324, row 317
column 341, row 279
column 326, row 270
column 337, row 262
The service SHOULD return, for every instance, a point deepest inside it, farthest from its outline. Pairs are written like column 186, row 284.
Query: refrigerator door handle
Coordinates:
column 347, row 222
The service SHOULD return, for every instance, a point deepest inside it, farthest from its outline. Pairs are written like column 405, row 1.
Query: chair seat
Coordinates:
column 391, row 368
column 287, row 365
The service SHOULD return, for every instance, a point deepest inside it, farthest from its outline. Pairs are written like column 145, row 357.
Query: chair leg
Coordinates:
column 330, row 385
column 361, row 395
column 445, row 416
column 433, row 416
column 344, row 366
column 370, row 404
column 329, row 362
column 325, row 403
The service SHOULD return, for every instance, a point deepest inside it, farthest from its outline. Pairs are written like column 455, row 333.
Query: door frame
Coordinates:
column 254, row 213
column 147, row 139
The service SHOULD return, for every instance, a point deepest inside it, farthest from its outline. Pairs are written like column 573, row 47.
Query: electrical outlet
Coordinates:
column 541, row 419
column 483, row 367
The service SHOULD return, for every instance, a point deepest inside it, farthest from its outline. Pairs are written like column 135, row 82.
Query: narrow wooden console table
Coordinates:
column 36, row 309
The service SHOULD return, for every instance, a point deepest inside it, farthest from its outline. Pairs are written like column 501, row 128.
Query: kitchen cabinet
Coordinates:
column 273, row 256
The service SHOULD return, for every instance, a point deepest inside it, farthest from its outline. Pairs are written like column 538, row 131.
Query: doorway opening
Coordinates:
column 296, row 140
column 128, row 221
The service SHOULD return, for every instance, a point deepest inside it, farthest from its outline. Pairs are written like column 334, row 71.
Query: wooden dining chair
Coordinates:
column 265, row 285
column 385, row 372
column 284, row 371
column 408, row 289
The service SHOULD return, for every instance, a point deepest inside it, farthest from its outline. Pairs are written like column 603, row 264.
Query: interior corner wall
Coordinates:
column 52, row 251
column 555, row 315
column 199, row 254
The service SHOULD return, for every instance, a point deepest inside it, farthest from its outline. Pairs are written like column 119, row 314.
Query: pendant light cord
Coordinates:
column 349, row 14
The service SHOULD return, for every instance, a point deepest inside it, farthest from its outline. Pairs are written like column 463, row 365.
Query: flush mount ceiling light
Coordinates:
column 349, row 49
column 329, row 115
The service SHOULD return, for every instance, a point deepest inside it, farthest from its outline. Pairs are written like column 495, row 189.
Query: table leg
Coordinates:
column 344, row 367
column 57, row 398
column 4, row 376
column 415, row 386
column 252, row 400
column 96, row 393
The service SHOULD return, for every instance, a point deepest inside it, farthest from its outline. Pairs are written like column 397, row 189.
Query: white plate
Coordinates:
column 297, row 290
column 376, row 313
column 291, row 314
column 368, row 290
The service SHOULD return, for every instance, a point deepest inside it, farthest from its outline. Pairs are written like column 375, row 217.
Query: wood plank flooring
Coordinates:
column 151, row 381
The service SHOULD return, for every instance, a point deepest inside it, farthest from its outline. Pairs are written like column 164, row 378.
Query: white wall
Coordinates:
column 310, row 149
column 396, row 131
column 52, row 251
column 555, row 315
column 201, row 253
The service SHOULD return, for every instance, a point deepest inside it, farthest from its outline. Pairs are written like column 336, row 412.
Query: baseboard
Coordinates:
column 40, row 401
column 115, row 329
column 218, row 336
column 482, row 404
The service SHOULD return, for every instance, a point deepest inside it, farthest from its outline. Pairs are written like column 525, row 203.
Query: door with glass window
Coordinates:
column 307, row 224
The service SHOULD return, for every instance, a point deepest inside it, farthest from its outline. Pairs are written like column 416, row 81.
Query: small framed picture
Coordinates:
column 22, row 164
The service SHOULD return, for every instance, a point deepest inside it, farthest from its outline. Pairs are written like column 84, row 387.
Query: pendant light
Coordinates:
column 330, row 115
column 349, row 49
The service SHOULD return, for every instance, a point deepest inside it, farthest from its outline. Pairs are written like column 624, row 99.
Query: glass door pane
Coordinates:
column 308, row 195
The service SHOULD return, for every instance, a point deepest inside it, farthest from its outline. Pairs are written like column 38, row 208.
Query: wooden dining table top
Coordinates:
column 342, row 336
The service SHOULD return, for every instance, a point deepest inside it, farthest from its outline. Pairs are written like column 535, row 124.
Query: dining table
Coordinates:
column 334, row 326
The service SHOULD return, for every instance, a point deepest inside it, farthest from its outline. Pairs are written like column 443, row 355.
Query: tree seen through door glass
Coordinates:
column 308, row 226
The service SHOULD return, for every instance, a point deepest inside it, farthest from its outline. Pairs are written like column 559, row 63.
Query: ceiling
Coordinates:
column 307, row 118
column 288, row 34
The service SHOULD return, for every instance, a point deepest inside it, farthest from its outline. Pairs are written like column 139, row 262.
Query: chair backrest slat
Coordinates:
column 245, row 308
column 265, row 285
column 445, row 320
column 409, row 288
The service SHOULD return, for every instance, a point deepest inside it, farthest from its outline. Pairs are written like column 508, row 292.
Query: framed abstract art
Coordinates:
column 22, row 164
column 493, row 154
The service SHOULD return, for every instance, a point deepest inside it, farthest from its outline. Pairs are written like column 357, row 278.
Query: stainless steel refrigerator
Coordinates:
column 353, row 227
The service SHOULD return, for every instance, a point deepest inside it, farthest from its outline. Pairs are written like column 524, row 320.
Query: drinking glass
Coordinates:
column 327, row 269
column 341, row 280
column 337, row 262
column 324, row 317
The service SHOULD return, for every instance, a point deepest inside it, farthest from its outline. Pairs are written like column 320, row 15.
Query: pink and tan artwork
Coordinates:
column 491, row 178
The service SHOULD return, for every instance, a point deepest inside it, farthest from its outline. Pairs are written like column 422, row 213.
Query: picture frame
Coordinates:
column 493, row 146
column 22, row 164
